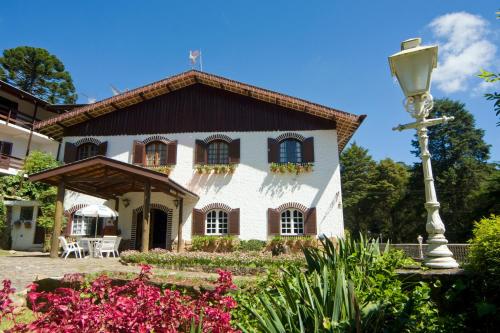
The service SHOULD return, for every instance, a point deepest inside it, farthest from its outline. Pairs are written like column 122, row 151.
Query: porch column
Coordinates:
column 179, row 228
column 145, row 217
column 56, row 231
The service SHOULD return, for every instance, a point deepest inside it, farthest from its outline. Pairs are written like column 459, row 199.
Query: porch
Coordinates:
column 115, row 181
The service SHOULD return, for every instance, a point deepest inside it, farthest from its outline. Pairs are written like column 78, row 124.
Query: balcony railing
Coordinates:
column 7, row 161
column 17, row 117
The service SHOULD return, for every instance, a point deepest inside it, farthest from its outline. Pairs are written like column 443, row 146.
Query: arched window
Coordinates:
column 156, row 153
column 218, row 152
column 216, row 222
column 86, row 150
column 290, row 151
column 292, row 222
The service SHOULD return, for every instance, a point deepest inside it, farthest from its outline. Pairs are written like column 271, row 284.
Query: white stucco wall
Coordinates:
column 23, row 237
column 253, row 187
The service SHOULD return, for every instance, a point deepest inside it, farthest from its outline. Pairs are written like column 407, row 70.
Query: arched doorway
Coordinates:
column 160, row 229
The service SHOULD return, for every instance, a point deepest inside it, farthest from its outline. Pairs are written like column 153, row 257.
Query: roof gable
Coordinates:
column 346, row 123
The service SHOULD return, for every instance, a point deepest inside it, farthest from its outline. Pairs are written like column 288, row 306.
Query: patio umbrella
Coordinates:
column 97, row 211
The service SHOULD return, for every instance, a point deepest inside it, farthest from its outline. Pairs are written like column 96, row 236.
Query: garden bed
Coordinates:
column 239, row 263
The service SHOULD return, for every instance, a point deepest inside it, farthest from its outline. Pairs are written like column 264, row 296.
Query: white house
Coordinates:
column 212, row 156
column 18, row 112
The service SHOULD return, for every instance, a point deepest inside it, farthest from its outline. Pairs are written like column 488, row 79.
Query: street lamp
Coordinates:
column 413, row 67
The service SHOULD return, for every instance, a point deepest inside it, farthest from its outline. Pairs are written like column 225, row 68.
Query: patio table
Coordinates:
column 92, row 243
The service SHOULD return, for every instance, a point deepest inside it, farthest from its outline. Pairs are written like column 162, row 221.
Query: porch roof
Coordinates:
column 108, row 178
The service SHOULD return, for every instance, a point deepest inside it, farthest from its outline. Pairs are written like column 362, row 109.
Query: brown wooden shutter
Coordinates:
column 234, row 222
column 139, row 153
column 308, row 150
column 200, row 152
column 273, row 151
column 102, row 148
column 198, row 223
column 273, row 222
column 172, row 152
column 69, row 152
column 234, row 151
column 310, row 222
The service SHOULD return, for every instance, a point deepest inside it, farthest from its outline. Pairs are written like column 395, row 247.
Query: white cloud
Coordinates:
column 464, row 48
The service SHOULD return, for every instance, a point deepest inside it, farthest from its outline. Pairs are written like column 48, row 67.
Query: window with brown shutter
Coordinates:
column 234, row 222
column 139, row 150
column 172, row 153
column 103, row 148
column 234, row 151
column 86, row 150
column 200, row 152
column 273, row 222
column 6, row 148
column 197, row 223
column 273, row 151
column 310, row 222
column 69, row 152
column 308, row 150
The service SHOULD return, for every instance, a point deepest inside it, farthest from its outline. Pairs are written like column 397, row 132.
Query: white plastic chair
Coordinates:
column 117, row 245
column 107, row 245
column 84, row 245
column 70, row 248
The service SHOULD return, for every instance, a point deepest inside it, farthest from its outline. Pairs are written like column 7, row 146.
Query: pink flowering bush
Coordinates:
column 134, row 307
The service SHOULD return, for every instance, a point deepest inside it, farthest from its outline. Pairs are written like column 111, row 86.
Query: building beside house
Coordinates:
column 199, row 154
column 19, row 110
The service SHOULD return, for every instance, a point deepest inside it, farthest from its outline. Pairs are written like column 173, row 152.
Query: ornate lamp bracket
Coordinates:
column 419, row 106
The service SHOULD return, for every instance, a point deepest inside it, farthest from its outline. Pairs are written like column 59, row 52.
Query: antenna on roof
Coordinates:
column 90, row 100
column 193, row 57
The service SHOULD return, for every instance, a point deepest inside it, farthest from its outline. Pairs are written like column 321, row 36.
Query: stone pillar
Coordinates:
column 56, row 231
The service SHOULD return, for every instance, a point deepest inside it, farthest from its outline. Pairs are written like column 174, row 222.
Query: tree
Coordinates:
column 495, row 96
column 459, row 162
column 371, row 192
column 357, row 170
column 38, row 72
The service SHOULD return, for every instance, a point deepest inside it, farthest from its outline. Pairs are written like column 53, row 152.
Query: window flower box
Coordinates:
column 215, row 168
column 294, row 168
column 165, row 169
column 17, row 223
column 28, row 224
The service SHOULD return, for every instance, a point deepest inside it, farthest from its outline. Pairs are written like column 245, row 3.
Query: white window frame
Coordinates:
column 292, row 222
column 81, row 225
column 216, row 222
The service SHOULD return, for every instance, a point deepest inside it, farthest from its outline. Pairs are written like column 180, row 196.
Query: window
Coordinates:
column 156, row 153
column 292, row 222
column 5, row 148
column 86, row 150
column 216, row 222
column 82, row 226
column 218, row 152
column 26, row 214
column 290, row 151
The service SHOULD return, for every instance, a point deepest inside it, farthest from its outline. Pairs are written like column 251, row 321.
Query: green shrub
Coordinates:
column 251, row 245
column 484, row 253
column 214, row 243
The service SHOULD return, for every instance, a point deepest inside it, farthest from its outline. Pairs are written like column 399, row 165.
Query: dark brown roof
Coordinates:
column 347, row 123
column 108, row 178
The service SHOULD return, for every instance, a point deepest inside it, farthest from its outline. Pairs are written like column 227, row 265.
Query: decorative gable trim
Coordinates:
column 87, row 140
column 290, row 135
column 153, row 138
column 218, row 137
column 294, row 205
column 212, row 206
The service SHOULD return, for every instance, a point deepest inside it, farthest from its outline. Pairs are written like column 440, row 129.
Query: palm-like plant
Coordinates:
column 322, row 299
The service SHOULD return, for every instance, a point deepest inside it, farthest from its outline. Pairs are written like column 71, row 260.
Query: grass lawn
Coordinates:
column 4, row 253
column 24, row 317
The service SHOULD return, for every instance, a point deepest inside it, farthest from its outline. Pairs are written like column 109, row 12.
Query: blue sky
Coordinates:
column 329, row 52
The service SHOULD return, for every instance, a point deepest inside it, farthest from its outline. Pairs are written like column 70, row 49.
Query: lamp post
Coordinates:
column 413, row 67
